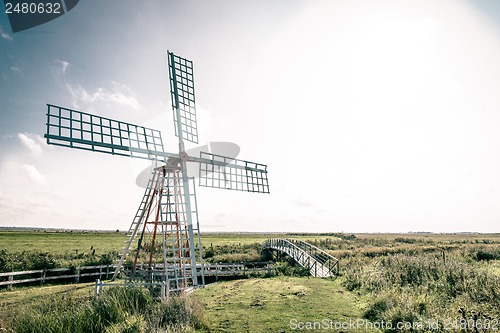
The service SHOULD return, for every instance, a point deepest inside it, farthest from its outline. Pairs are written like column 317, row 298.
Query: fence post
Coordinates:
column 43, row 277
column 96, row 288
column 77, row 274
column 11, row 278
column 163, row 287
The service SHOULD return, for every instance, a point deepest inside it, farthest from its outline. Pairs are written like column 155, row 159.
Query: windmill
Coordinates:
column 165, row 227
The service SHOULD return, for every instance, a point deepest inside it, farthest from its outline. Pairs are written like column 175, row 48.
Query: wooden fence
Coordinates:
column 238, row 269
column 44, row 275
column 105, row 272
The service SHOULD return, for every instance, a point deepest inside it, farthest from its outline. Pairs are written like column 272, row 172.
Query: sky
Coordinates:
column 372, row 116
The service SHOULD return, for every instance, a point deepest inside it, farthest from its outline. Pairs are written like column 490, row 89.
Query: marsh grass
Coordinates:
column 429, row 286
column 117, row 309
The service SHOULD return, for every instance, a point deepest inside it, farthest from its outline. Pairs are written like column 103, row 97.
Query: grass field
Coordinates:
column 63, row 249
column 414, row 278
column 59, row 243
column 277, row 304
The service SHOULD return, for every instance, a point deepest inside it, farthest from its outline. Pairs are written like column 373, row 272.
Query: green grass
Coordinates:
column 269, row 305
column 60, row 243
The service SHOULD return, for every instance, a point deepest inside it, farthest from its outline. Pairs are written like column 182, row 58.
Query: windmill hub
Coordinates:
column 173, row 162
column 184, row 156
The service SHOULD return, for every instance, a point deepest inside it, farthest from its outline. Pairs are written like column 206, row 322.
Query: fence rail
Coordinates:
column 43, row 275
column 105, row 272
column 158, row 273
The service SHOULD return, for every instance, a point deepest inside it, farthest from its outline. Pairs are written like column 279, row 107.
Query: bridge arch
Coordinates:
column 318, row 262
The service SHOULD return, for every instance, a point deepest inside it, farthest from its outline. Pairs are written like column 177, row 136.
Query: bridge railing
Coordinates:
column 319, row 262
column 327, row 260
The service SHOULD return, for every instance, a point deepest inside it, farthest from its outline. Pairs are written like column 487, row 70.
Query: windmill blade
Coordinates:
column 229, row 149
column 182, row 96
column 224, row 172
column 76, row 129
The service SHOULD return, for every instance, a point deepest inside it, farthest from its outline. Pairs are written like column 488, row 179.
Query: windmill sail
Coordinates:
column 76, row 129
column 232, row 174
column 182, row 95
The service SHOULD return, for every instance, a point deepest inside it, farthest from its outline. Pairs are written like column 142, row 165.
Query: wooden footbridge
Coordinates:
column 318, row 262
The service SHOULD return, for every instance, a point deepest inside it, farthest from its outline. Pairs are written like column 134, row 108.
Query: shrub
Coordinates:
column 405, row 240
column 26, row 260
column 176, row 312
column 352, row 284
column 486, row 255
column 376, row 310
column 115, row 304
column 290, row 268
column 103, row 259
column 4, row 261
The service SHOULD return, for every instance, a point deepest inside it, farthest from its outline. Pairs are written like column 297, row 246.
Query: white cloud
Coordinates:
column 5, row 35
column 119, row 94
column 32, row 141
column 23, row 210
column 33, row 174
column 17, row 204
column 9, row 208
column 62, row 66
column 17, row 70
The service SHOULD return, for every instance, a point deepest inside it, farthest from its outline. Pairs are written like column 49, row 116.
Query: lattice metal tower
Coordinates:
column 165, row 228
